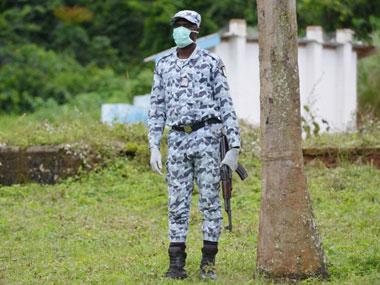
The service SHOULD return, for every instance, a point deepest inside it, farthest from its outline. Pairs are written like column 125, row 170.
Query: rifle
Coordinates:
column 226, row 178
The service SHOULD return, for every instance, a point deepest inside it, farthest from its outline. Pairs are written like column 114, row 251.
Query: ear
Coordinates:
column 194, row 36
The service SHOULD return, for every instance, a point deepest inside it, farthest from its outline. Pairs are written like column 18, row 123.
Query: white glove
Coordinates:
column 155, row 160
column 231, row 159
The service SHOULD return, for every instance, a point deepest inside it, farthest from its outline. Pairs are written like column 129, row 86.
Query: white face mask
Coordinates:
column 181, row 36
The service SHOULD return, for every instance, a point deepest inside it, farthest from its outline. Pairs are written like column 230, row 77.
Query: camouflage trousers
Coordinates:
column 194, row 156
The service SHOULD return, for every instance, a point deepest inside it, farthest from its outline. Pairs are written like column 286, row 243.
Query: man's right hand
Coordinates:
column 155, row 160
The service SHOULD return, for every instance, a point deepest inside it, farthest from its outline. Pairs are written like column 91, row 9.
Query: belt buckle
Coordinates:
column 187, row 129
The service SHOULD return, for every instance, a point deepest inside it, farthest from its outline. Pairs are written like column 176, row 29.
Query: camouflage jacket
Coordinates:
column 186, row 91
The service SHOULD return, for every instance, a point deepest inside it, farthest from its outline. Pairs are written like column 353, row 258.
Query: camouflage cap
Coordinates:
column 189, row 15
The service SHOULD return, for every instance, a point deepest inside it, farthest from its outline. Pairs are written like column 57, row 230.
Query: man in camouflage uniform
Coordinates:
column 190, row 94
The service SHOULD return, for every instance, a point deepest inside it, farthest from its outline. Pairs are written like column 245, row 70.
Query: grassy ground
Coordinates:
column 110, row 227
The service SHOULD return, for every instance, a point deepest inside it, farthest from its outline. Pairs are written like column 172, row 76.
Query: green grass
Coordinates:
column 367, row 134
column 110, row 227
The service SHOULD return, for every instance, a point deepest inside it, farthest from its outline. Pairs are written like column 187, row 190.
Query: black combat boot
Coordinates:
column 209, row 250
column 177, row 256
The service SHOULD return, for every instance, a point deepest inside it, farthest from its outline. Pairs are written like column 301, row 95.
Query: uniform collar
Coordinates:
column 193, row 55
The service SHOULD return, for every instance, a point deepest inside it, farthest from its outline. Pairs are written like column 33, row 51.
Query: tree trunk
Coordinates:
column 289, row 245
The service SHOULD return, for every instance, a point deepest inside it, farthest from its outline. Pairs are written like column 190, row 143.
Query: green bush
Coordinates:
column 31, row 75
column 369, row 83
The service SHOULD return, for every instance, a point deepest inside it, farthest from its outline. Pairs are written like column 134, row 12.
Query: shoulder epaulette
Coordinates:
column 212, row 55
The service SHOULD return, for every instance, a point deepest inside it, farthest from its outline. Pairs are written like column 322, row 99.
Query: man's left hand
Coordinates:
column 231, row 159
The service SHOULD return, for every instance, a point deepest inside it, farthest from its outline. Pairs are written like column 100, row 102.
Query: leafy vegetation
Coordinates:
column 58, row 49
column 369, row 83
column 33, row 78
column 128, row 30
column 360, row 15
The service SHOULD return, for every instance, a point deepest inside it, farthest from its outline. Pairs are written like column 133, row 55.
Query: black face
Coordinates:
column 181, row 22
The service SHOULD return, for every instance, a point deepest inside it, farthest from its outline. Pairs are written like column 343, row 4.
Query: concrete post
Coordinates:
column 238, row 30
column 314, row 50
column 346, row 80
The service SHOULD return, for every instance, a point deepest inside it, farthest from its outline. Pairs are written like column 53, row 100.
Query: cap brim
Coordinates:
column 172, row 21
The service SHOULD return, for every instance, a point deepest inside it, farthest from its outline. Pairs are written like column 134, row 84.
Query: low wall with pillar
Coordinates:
column 48, row 164
column 42, row 164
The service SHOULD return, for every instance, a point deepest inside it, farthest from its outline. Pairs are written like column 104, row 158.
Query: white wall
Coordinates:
column 242, row 66
column 327, row 77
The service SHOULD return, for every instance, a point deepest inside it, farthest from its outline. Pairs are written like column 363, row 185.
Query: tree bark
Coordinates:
column 289, row 245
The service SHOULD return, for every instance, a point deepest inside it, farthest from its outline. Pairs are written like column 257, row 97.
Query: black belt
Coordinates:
column 196, row 126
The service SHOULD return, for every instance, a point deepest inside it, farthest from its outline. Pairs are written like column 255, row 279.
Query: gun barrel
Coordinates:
column 229, row 227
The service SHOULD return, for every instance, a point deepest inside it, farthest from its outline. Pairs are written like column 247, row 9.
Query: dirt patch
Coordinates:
column 334, row 157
